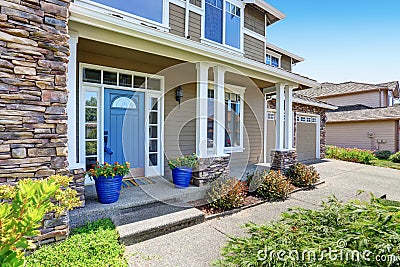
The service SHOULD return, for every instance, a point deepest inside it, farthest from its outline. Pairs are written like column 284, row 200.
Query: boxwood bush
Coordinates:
column 395, row 157
column 270, row 185
column 330, row 236
column 302, row 175
column 382, row 154
column 227, row 193
column 350, row 154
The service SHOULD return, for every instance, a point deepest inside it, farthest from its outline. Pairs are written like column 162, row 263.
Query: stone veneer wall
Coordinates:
column 300, row 108
column 281, row 160
column 211, row 169
column 34, row 54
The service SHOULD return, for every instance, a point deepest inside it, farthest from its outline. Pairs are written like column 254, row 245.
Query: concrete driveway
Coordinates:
column 201, row 244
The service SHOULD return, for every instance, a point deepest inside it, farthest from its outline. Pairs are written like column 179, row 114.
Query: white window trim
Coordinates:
column 99, row 87
column 224, row 46
column 274, row 54
column 239, row 90
column 123, row 15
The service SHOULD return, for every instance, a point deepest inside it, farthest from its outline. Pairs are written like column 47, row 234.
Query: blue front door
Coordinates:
column 124, row 128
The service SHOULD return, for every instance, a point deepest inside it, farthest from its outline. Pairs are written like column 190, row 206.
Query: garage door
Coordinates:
column 306, row 141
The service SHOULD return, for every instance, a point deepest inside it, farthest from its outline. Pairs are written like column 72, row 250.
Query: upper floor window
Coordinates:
column 152, row 10
column 272, row 60
column 218, row 11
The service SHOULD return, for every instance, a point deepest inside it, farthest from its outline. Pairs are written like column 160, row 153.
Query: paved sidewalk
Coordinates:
column 199, row 245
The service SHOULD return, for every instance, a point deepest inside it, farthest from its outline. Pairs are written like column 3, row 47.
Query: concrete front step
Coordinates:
column 155, row 220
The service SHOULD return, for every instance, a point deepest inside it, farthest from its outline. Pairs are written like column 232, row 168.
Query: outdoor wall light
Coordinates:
column 179, row 94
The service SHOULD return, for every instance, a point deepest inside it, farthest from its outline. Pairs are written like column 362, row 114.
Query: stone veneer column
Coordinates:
column 33, row 95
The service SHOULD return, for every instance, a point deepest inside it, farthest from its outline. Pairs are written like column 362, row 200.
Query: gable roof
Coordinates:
column 389, row 113
column 333, row 89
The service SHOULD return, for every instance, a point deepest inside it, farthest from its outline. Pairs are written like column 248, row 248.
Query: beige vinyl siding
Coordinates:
column 253, row 135
column 371, row 99
column 196, row 2
column 254, row 20
column 355, row 134
column 179, row 124
column 286, row 62
column 254, row 48
column 194, row 26
column 177, row 20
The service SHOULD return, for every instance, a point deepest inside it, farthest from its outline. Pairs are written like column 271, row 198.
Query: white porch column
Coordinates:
column 288, row 117
column 71, row 104
column 202, row 109
column 219, row 110
column 279, row 116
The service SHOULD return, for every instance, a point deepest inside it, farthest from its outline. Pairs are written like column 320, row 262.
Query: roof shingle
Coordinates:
column 331, row 89
column 389, row 113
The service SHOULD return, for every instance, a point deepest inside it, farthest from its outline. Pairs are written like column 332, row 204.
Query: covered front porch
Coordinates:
column 219, row 113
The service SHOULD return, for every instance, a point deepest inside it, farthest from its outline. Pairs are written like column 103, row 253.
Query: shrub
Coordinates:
column 95, row 244
column 314, row 234
column 227, row 193
column 382, row 154
column 270, row 185
column 24, row 208
column 395, row 157
column 302, row 175
column 350, row 154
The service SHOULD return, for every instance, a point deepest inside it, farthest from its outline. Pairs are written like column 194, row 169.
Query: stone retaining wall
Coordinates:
column 34, row 54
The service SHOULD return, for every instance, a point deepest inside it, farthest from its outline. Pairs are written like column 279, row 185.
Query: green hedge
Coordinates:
column 95, row 244
column 350, row 154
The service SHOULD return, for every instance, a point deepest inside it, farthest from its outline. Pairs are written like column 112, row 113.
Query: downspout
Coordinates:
column 187, row 12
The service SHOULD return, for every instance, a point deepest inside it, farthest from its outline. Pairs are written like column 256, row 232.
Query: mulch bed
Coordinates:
column 251, row 200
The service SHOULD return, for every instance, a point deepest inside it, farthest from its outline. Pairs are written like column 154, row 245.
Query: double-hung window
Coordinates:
column 151, row 10
column 223, row 23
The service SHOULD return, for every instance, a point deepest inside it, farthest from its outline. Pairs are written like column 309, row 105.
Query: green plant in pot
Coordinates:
column 108, row 180
column 182, row 168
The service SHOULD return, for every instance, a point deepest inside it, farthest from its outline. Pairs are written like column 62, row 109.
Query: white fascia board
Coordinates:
column 304, row 102
column 95, row 18
column 284, row 52
column 315, row 104
column 267, row 7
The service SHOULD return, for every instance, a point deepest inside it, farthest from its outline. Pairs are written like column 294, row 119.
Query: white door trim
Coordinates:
column 99, row 87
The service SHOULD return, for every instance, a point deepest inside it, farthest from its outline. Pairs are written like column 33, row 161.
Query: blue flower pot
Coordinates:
column 108, row 188
column 182, row 176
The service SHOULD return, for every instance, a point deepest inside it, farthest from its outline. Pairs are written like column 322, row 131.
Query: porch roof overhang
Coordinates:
column 103, row 27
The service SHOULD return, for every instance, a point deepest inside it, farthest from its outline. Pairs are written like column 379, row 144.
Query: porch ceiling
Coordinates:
column 99, row 53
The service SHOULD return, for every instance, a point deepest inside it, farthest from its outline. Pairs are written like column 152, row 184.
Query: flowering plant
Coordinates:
column 190, row 161
column 109, row 170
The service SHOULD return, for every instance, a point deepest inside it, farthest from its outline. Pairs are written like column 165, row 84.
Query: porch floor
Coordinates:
column 134, row 198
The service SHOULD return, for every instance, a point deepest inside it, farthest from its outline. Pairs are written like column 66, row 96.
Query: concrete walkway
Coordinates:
column 201, row 244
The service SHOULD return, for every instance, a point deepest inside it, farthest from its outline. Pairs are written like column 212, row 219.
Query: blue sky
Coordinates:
column 357, row 40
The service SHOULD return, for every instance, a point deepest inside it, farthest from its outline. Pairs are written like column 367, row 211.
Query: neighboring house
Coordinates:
column 366, row 118
column 141, row 79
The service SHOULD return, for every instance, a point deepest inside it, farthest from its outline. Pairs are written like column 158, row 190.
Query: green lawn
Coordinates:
column 385, row 163
column 95, row 244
